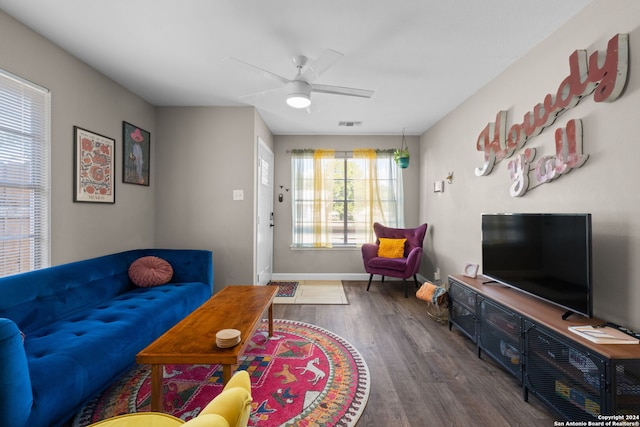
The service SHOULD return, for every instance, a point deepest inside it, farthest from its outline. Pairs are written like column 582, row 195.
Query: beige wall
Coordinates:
column 606, row 186
column 328, row 261
column 83, row 97
column 203, row 155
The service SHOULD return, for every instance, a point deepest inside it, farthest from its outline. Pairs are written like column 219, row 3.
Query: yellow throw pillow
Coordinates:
column 391, row 248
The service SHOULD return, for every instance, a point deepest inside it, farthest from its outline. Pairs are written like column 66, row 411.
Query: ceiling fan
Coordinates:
column 299, row 88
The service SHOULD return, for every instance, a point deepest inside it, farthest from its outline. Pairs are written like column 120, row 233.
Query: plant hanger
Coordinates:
column 401, row 155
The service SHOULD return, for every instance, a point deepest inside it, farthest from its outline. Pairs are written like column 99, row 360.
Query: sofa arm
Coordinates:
column 16, row 397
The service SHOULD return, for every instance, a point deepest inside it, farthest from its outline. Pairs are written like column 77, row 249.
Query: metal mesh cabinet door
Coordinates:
column 462, row 310
column 501, row 335
column 626, row 389
column 566, row 376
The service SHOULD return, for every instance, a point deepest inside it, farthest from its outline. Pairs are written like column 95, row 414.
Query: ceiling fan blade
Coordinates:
column 258, row 95
column 265, row 73
column 321, row 64
column 339, row 90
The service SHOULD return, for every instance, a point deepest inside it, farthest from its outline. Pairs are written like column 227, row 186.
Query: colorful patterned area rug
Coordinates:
column 285, row 289
column 302, row 376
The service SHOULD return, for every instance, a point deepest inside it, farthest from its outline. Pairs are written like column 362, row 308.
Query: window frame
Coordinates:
column 25, row 177
column 300, row 219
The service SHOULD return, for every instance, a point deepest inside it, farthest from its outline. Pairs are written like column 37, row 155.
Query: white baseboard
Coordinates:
column 332, row 276
column 319, row 276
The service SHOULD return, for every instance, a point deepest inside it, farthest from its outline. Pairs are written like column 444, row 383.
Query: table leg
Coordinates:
column 271, row 320
column 226, row 374
column 156, row 388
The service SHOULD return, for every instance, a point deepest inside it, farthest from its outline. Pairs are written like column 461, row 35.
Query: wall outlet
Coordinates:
column 238, row 194
column 436, row 275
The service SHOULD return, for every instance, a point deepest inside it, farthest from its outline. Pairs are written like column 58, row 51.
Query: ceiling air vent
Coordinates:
column 349, row 124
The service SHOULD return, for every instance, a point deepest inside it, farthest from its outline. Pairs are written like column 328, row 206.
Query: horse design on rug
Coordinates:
column 286, row 373
column 317, row 372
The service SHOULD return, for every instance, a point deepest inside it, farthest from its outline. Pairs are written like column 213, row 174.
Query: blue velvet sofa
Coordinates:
column 68, row 331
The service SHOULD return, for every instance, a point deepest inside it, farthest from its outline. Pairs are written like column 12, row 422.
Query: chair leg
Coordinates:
column 415, row 280
column 406, row 285
column 382, row 279
column 369, row 285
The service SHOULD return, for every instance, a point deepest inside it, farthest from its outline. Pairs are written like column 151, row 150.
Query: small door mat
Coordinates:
column 315, row 292
column 285, row 289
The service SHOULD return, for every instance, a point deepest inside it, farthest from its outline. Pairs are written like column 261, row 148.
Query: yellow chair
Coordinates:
column 231, row 408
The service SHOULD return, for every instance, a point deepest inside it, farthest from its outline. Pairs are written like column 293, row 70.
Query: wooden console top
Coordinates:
column 547, row 315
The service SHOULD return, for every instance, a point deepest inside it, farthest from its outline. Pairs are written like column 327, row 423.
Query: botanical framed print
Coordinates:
column 135, row 154
column 94, row 167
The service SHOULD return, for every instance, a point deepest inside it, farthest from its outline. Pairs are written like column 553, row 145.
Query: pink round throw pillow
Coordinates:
column 150, row 271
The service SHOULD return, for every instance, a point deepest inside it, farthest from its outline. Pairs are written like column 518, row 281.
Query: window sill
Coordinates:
column 335, row 248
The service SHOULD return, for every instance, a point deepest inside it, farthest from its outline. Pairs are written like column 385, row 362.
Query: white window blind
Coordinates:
column 25, row 110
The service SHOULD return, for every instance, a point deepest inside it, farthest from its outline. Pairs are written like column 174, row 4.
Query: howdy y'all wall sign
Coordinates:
column 605, row 75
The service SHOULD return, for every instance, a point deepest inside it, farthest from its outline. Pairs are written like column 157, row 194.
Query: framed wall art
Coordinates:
column 135, row 154
column 94, row 167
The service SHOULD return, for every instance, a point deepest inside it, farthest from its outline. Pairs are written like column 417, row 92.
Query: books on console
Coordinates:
column 603, row 335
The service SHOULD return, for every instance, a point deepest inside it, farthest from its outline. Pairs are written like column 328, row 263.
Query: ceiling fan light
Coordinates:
column 298, row 94
column 298, row 100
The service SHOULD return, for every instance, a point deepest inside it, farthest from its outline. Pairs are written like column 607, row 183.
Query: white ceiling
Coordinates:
column 423, row 58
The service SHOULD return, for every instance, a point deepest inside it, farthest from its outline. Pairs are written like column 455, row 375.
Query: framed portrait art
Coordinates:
column 135, row 154
column 93, row 167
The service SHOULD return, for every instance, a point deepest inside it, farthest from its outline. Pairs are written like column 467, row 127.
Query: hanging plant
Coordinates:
column 401, row 155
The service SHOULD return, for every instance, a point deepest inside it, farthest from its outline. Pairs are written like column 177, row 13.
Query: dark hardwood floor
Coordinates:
column 422, row 373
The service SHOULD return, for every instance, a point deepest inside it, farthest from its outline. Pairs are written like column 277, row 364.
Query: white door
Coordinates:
column 264, row 221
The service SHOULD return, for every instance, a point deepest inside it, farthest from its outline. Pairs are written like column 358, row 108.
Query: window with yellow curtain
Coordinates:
column 337, row 196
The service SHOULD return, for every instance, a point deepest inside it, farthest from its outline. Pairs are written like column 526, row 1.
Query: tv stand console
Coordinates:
column 576, row 378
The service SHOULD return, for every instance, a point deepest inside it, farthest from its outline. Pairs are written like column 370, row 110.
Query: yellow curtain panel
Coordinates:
column 372, row 208
column 322, row 197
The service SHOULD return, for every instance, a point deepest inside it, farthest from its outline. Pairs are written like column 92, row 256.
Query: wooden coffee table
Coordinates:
column 193, row 340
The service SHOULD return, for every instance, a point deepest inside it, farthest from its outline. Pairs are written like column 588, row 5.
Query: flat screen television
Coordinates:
column 545, row 255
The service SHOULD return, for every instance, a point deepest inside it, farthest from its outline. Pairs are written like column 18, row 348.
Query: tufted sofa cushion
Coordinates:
column 63, row 355
column 84, row 323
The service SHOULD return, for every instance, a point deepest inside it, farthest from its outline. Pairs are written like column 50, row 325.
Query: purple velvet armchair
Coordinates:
column 401, row 268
